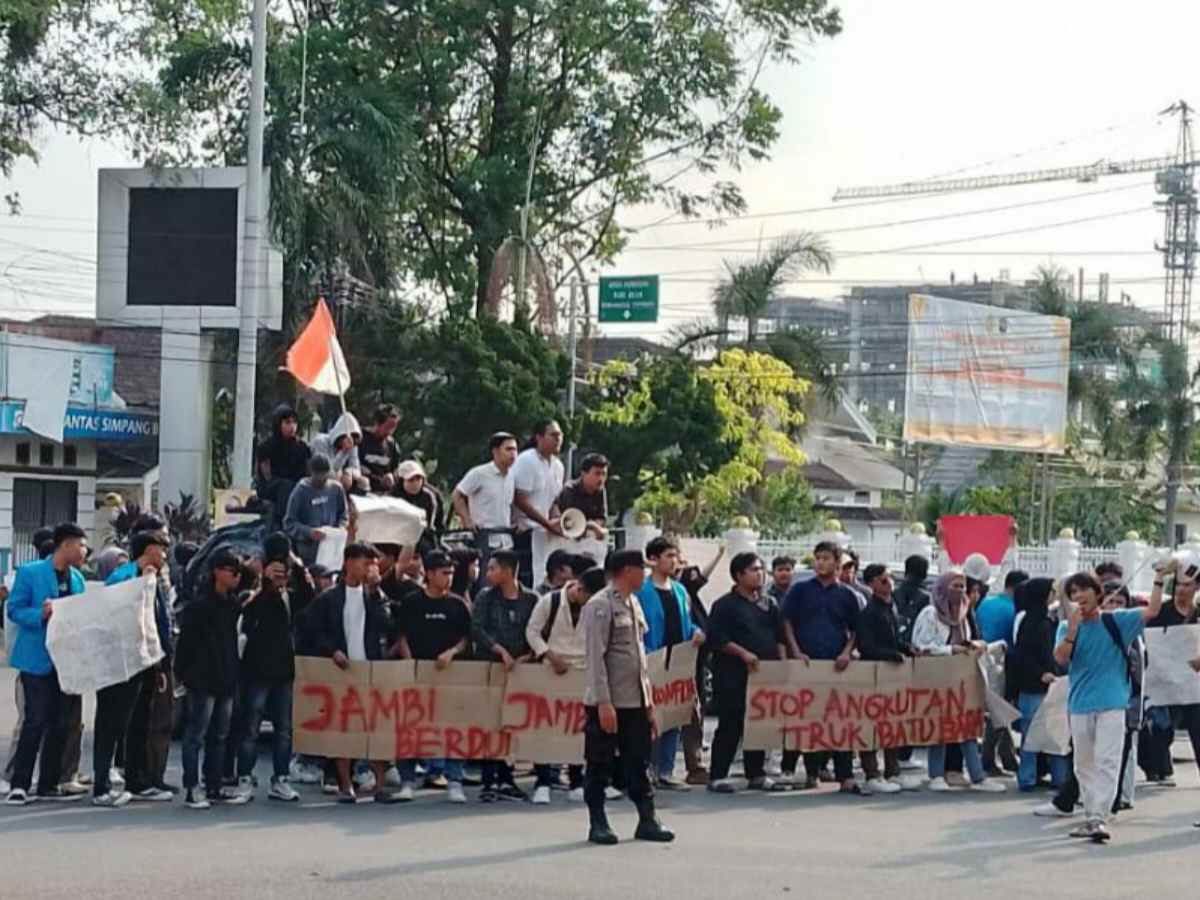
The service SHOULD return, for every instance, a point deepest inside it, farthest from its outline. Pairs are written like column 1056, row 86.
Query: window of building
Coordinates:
column 23, row 454
column 862, row 497
column 37, row 503
column 46, row 454
column 70, row 455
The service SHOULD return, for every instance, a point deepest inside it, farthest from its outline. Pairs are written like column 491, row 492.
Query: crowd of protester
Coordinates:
column 231, row 650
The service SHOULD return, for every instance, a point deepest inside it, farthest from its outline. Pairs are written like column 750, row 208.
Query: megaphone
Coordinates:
column 573, row 524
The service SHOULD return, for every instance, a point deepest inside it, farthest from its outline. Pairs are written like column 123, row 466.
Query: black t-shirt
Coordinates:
column 1170, row 615
column 378, row 456
column 64, row 582
column 672, row 620
column 433, row 625
column 752, row 626
column 573, row 496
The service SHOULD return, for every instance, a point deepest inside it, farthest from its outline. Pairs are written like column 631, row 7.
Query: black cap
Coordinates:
column 277, row 547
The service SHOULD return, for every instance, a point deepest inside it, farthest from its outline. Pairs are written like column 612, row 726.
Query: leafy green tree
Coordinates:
column 659, row 423
column 422, row 120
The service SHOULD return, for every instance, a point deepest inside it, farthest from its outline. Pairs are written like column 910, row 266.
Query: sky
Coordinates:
column 909, row 90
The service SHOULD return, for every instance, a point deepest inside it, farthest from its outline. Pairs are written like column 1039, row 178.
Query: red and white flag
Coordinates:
column 316, row 358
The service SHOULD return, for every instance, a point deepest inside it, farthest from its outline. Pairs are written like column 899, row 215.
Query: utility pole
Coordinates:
column 253, row 276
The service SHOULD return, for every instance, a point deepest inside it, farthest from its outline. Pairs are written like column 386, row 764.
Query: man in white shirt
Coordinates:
column 538, row 480
column 484, row 498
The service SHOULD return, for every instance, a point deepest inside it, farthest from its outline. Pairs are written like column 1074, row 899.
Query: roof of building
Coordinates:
column 819, row 476
column 860, row 513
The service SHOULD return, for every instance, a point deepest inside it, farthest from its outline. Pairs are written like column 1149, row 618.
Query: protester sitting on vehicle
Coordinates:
column 378, row 451
column 340, row 447
column 282, row 461
column 316, row 503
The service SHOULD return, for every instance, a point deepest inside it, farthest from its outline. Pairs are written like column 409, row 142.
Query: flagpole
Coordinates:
column 337, row 375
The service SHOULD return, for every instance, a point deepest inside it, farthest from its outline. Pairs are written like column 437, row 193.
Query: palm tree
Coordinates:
column 748, row 289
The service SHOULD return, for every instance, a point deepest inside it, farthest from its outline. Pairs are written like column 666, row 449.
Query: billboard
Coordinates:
column 986, row 376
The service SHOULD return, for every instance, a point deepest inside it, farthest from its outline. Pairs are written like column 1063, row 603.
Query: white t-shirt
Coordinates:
column 354, row 621
column 489, row 496
column 541, row 480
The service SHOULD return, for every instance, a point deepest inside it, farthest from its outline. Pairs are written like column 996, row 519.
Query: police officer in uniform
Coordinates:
column 618, row 700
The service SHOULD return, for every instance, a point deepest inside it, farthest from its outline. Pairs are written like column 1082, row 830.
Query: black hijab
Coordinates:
column 1033, row 598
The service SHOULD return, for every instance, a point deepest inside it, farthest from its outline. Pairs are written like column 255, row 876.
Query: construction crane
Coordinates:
column 1174, row 179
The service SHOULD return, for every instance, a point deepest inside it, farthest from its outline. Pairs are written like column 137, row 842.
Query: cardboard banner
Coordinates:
column 104, row 636
column 1170, row 678
column 672, row 673
column 1050, row 730
column 543, row 713
column 920, row 702
column 469, row 710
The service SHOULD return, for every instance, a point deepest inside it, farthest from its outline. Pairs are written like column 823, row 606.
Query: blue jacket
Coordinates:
column 656, row 623
column 35, row 583
column 162, row 609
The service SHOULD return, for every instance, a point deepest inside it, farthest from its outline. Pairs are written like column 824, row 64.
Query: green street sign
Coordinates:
column 629, row 299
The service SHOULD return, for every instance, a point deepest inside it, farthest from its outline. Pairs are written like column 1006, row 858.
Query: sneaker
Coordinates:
column 511, row 792
column 541, row 795
column 454, row 792
column 987, row 786
column 910, row 782
column 406, row 793
column 1050, row 811
column 672, row 784
column 58, row 795
column 347, row 797
column 245, row 787
column 329, row 787
column 154, row 794
column 75, row 787
column 611, row 793
column 193, row 799
column 383, row 795
column 171, row 789
column 17, row 797
column 116, row 777
column 81, row 778
column 723, row 786
column 437, row 783
column 698, row 778
column 112, row 800
column 957, row 779
column 576, row 796
column 1100, row 833
column 226, row 797
column 281, row 790
column 767, row 784
column 391, row 778
column 302, row 774
column 939, row 785
column 488, row 795
column 1087, row 830
column 1167, row 781
column 879, row 786
column 912, row 765
column 365, row 781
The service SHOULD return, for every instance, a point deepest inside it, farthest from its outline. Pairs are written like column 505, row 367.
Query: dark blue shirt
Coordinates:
column 822, row 617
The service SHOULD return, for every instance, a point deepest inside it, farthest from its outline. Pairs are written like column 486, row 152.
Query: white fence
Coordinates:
column 1034, row 560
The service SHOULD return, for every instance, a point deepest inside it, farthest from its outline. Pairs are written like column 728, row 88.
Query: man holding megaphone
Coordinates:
column 583, row 502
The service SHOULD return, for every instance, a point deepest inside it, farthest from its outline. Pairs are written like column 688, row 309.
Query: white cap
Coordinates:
column 977, row 566
column 410, row 468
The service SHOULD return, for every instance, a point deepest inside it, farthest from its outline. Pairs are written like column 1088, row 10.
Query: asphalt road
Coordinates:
column 754, row 846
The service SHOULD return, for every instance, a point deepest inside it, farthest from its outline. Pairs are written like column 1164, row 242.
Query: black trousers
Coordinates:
column 730, row 701
column 114, row 708
column 843, row 764
column 601, row 751
column 870, row 763
column 44, row 722
column 148, row 738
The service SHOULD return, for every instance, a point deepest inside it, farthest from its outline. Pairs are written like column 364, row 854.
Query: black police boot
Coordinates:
column 600, row 832
column 649, row 828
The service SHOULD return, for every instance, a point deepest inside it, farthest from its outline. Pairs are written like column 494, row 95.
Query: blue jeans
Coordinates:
column 453, row 769
column 274, row 703
column 970, row 752
column 207, row 724
column 1027, row 771
column 665, row 752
